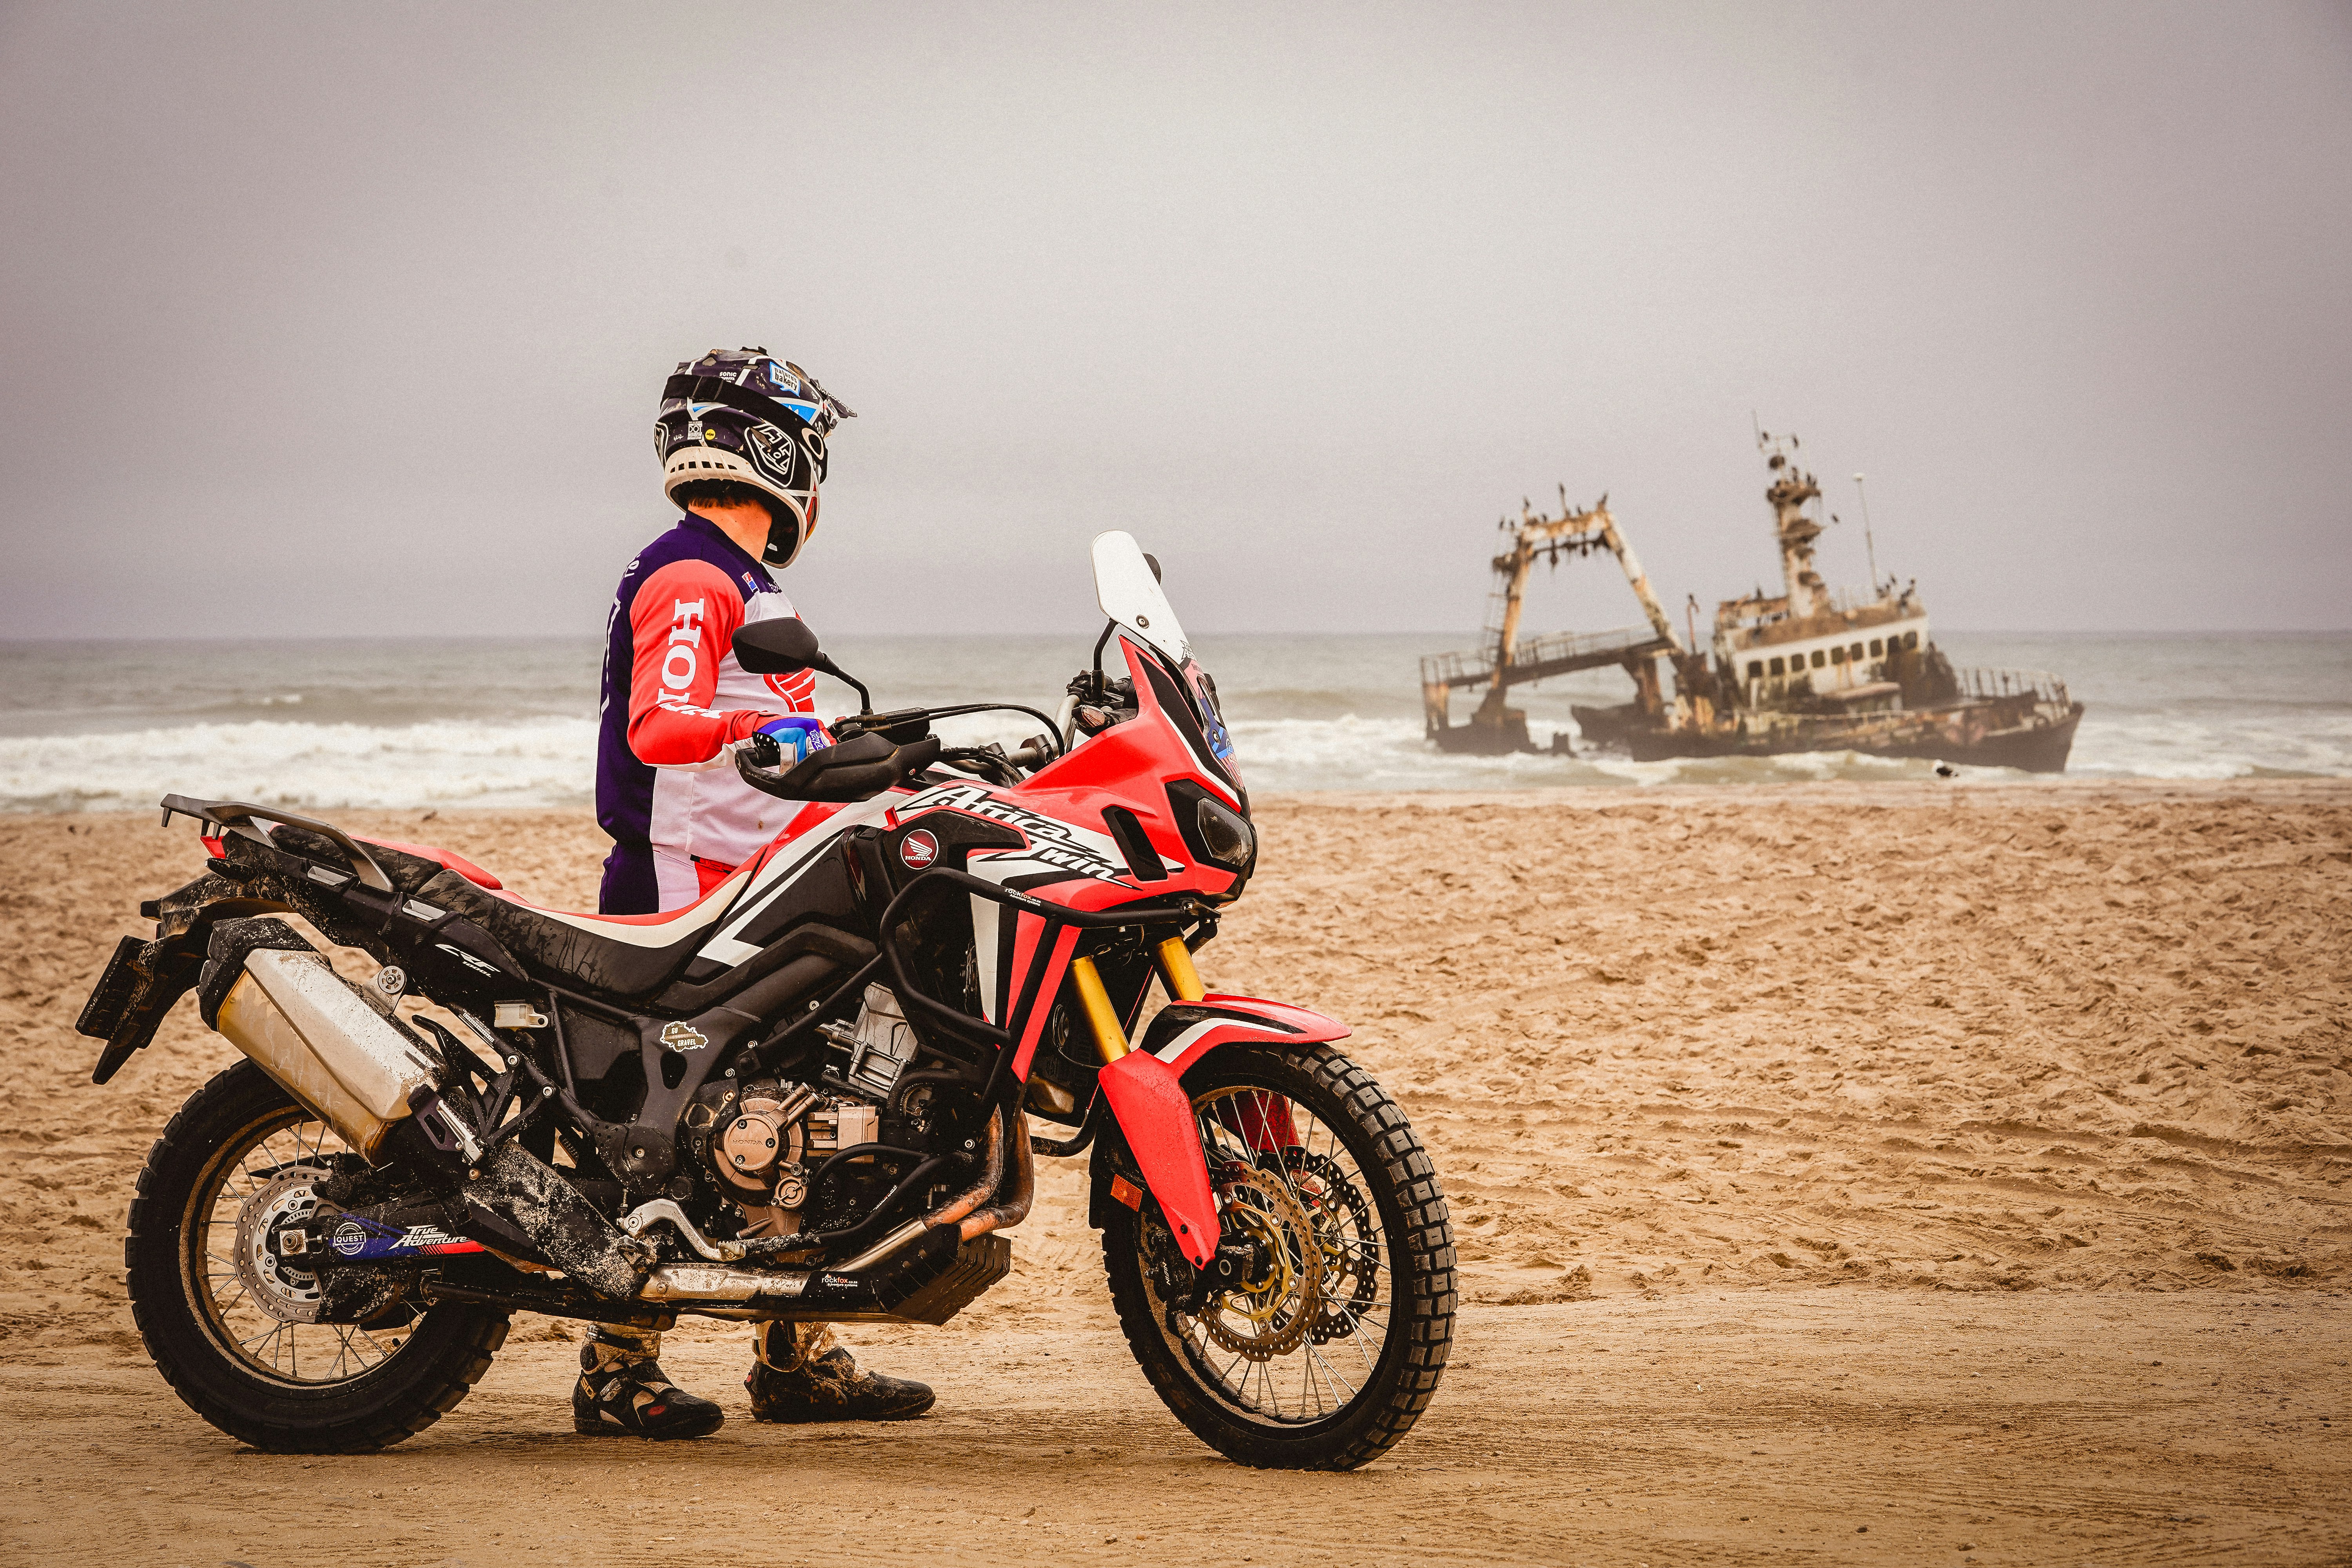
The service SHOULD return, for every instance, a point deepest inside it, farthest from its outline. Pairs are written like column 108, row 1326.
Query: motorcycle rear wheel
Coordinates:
column 282, row 1385
column 1326, row 1363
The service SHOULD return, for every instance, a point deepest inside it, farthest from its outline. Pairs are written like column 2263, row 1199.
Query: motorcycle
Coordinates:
column 806, row 1096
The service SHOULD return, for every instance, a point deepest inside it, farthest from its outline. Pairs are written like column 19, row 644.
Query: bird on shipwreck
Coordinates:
column 1801, row 670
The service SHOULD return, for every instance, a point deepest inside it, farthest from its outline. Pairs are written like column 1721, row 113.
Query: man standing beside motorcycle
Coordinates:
column 741, row 440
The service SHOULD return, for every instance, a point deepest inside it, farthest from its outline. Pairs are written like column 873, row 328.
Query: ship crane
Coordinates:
column 1503, row 661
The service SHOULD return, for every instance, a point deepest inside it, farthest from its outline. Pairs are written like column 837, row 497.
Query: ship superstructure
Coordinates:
column 1807, row 641
column 1504, row 660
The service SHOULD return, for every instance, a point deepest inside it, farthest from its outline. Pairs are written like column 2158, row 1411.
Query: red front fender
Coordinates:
column 1146, row 1095
column 1185, row 1031
column 1156, row 1115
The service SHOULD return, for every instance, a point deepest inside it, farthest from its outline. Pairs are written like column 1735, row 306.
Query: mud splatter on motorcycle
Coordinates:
column 806, row 1096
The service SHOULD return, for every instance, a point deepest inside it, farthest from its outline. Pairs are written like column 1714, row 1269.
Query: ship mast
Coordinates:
column 1791, row 489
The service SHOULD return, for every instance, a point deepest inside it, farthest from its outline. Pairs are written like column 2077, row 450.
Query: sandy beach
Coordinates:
column 1875, row 1172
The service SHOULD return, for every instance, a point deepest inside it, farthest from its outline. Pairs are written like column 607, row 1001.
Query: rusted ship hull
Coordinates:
column 1486, row 740
column 1481, row 739
column 2035, row 739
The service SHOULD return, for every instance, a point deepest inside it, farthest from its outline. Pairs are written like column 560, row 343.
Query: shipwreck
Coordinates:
column 1801, row 670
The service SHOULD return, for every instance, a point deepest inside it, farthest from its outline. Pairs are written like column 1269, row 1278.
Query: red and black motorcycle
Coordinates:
column 804, row 1098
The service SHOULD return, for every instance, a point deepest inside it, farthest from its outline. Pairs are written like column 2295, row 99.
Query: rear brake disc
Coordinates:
column 289, row 1295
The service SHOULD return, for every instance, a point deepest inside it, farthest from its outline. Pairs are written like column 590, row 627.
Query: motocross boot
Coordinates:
column 801, row 1374
column 623, row 1393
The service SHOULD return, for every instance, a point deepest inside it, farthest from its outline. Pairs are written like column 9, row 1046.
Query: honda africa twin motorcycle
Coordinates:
column 803, row 1098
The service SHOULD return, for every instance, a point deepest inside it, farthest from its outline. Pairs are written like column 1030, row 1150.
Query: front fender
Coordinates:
column 1184, row 1032
column 1155, row 1115
column 1146, row 1091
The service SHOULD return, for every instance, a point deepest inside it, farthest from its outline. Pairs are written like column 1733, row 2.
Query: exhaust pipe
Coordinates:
column 1009, row 1204
column 275, row 998
column 697, row 1283
column 927, row 1282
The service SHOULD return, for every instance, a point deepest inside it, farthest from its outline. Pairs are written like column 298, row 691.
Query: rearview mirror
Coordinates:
column 784, row 645
column 780, row 646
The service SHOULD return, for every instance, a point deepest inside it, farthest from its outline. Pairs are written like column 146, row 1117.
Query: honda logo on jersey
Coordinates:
column 918, row 849
column 679, row 661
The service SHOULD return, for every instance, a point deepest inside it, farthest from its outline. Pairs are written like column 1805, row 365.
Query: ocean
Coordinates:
column 104, row 726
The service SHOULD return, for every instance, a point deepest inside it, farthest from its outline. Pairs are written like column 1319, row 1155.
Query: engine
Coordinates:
column 766, row 1142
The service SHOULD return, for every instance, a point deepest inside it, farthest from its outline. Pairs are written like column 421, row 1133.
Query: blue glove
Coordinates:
column 795, row 736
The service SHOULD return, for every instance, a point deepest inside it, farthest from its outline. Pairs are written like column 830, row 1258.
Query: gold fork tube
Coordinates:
column 1176, row 969
column 1111, row 1039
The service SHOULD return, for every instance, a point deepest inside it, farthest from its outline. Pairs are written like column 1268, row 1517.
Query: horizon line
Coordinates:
column 7, row 641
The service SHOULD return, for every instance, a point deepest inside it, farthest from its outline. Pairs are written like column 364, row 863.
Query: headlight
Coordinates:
column 1225, row 835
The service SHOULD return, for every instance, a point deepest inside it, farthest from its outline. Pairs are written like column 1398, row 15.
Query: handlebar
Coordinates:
column 875, row 751
column 905, row 717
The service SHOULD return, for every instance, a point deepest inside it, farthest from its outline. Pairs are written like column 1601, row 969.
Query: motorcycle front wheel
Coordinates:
column 233, row 1327
column 1329, row 1351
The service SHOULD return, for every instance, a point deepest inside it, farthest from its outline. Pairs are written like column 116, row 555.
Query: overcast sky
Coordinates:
column 353, row 319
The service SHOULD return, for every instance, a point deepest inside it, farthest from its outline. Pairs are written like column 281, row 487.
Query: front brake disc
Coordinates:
column 1344, row 1231
column 1274, row 1312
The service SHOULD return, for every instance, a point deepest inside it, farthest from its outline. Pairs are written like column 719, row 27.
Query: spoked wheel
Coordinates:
column 1329, row 1347
column 234, row 1327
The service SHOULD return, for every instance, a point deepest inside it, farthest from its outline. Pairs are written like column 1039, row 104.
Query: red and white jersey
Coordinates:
column 688, row 700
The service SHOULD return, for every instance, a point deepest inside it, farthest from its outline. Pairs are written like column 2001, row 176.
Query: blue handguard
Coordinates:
column 795, row 736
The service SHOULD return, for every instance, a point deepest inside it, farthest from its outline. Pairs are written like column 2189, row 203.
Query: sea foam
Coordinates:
column 528, row 762
column 392, row 725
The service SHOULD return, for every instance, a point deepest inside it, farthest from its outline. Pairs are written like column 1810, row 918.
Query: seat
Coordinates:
column 627, row 957
column 442, row 858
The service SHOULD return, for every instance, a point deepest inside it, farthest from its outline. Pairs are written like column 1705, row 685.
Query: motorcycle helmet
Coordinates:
column 746, row 417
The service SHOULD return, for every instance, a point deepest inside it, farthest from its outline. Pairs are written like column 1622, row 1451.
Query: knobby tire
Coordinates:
column 1419, row 1263
column 447, row 1351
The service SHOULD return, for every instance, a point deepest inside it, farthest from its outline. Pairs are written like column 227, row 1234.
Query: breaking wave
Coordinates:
column 530, row 761
column 548, row 762
column 392, row 725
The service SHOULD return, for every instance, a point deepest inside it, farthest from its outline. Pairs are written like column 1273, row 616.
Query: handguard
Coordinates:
column 857, row 769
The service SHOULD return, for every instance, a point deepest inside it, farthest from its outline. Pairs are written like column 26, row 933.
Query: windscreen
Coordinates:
column 1130, row 595
column 1129, row 592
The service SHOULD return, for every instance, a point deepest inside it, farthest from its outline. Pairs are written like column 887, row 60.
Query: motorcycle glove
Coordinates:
column 796, row 735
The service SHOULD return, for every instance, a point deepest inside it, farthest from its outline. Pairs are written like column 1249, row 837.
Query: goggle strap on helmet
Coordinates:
column 841, row 410
column 710, row 389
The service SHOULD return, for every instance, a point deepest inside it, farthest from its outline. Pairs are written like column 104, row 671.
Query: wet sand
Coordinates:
column 1867, row 1171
